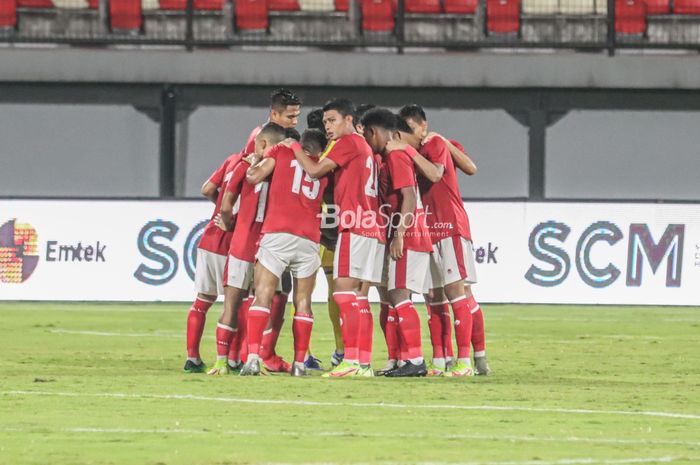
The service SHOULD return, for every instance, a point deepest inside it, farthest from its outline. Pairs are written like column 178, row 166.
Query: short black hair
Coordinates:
column 402, row 125
column 313, row 141
column 280, row 99
column 342, row 105
column 362, row 109
column 380, row 118
column 292, row 133
column 314, row 120
column 273, row 133
column 415, row 112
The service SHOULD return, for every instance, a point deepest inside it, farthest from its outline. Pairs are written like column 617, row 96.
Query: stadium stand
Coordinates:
column 445, row 23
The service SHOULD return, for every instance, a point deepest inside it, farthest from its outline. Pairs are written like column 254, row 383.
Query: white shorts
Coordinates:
column 379, row 265
column 452, row 260
column 209, row 273
column 355, row 257
column 281, row 251
column 239, row 273
column 412, row 272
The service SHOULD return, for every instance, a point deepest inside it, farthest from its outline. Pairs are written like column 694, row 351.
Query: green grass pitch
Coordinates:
column 102, row 384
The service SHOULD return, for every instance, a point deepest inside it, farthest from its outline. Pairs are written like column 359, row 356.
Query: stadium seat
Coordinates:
column 577, row 7
column 125, row 14
column 283, row 5
column 198, row 4
column 423, row 6
column 317, row 5
column 502, row 16
column 342, row 5
column 630, row 16
column 659, row 7
column 464, row 7
column 540, row 7
column 378, row 15
column 251, row 14
column 686, row 7
column 8, row 13
column 35, row 4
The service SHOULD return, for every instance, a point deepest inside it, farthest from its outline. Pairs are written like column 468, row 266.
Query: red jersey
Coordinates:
column 214, row 239
column 355, row 185
column 251, row 213
column 398, row 173
column 296, row 198
column 250, row 144
column 443, row 201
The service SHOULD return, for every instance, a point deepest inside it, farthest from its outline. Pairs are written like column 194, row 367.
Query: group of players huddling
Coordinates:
column 370, row 196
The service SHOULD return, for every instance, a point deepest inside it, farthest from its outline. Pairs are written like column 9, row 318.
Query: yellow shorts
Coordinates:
column 326, row 258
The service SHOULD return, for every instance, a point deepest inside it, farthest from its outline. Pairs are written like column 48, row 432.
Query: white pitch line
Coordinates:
column 112, row 334
column 238, row 400
column 573, row 461
column 508, row 438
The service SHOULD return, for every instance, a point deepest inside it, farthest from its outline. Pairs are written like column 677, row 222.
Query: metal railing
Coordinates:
column 452, row 24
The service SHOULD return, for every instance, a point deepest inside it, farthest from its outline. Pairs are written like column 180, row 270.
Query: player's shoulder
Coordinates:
column 435, row 143
column 457, row 144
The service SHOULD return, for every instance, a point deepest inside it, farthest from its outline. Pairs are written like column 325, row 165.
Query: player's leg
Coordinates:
column 227, row 328
column 209, row 283
column 389, row 322
column 458, row 268
column 365, row 330
column 437, row 306
column 259, row 316
column 407, row 274
column 333, row 309
column 481, row 364
column 238, row 350
column 271, row 361
column 303, row 322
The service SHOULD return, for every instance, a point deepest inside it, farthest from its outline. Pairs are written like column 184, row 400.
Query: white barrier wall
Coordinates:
column 582, row 253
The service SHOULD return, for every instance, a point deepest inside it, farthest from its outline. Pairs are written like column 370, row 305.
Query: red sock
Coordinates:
column 447, row 333
column 234, row 352
column 257, row 321
column 195, row 326
column 349, row 323
column 366, row 327
column 463, row 326
column 478, row 333
column 387, row 321
column 270, row 336
column 409, row 327
column 435, row 323
column 301, row 329
column 224, row 334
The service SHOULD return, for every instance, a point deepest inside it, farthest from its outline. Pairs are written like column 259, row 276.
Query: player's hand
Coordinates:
column 396, row 248
column 220, row 222
column 288, row 142
column 395, row 145
column 252, row 159
column 430, row 136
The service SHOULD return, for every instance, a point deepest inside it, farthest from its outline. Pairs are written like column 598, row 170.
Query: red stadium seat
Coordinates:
column 503, row 16
column 284, row 5
column 464, row 7
column 93, row 4
column 658, row 7
column 342, row 5
column 35, row 4
column 251, row 14
column 8, row 13
column 630, row 16
column 423, row 6
column 378, row 15
column 125, row 14
column 686, row 7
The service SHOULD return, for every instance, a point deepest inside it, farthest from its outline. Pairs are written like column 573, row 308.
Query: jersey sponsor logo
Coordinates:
column 546, row 246
column 18, row 251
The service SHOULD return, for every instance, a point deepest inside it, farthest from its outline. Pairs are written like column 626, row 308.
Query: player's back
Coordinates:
column 251, row 213
column 295, row 198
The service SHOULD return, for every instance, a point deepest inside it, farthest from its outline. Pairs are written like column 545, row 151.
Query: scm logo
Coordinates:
column 641, row 247
column 153, row 244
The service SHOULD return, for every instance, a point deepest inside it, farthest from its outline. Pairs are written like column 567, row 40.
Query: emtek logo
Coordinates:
column 641, row 249
column 18, row 251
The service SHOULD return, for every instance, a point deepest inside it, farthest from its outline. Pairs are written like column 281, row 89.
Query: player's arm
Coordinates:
column 461, row 159
column 431, row 171
column 210, row 190
column 315, row 169
column 409, row 200
column 260, row 171
column 226, row 213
